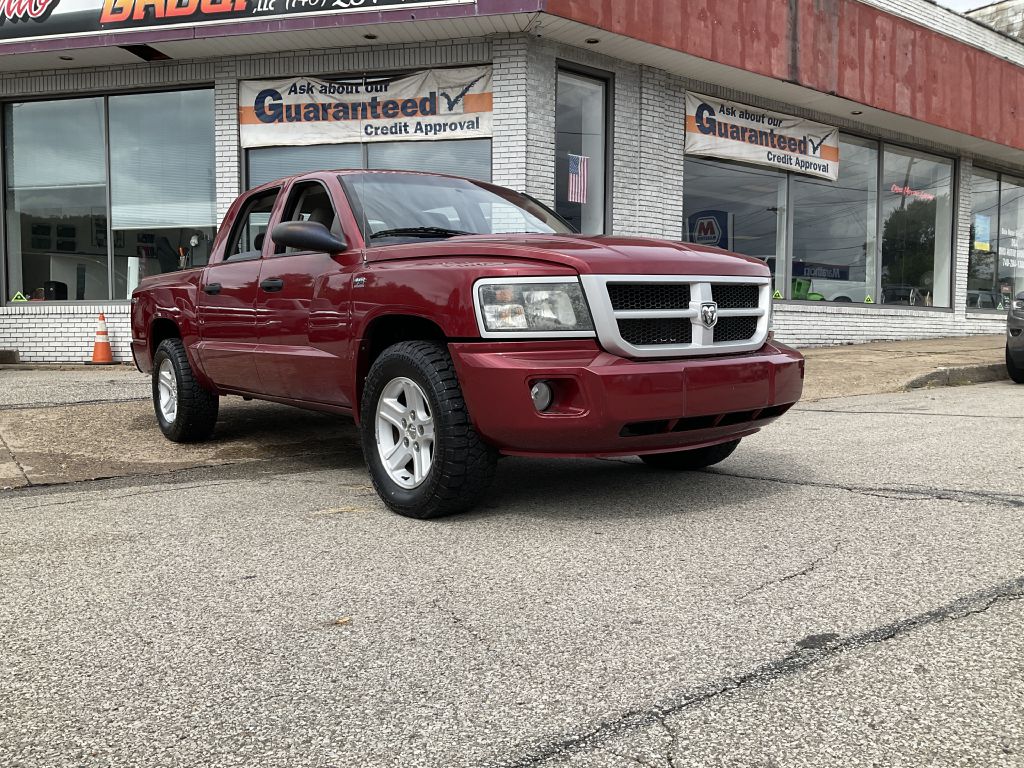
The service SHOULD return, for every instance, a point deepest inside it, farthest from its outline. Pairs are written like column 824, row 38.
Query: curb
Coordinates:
column 955, row 377
column 56, row 366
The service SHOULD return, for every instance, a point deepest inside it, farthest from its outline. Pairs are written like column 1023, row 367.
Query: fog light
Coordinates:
column 542, row 395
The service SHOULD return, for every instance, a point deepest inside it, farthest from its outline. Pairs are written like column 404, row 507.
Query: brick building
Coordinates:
column 891, row 208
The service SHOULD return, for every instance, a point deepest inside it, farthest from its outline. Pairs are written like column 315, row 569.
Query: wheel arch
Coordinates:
column 160, row 329
column 384, row 331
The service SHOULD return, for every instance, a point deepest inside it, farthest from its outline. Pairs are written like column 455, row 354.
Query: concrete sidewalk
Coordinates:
column 892, row 366
column 64, row 424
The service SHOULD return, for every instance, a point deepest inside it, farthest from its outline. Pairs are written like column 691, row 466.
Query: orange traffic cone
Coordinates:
column 101, row 354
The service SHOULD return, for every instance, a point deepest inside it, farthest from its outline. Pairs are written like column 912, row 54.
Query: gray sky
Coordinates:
column 963, row 5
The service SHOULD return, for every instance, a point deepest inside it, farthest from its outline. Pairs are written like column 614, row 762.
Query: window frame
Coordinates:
column 784, row 270
column 244, row 211
column 607, row 79
column 105, row 96
column 982, row 311
column 296, row 191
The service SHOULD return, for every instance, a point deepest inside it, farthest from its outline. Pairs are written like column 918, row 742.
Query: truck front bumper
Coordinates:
column 605, row 405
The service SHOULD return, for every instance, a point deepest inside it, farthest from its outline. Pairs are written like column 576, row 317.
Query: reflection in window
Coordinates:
column 916, row 228
column 1009, row 277
column 310, row 202
column 161, row 184
column 463, row 157
column 459, row 157
column 834, row 225
column 982, row 265
column 580, row 142
column 386, row 202
column 56, row 200
column 250, row 231
column 737, row 207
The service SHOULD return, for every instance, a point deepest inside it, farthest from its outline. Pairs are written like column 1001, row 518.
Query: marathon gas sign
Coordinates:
column 34, row 19
column 725, row 129
column 429, row 105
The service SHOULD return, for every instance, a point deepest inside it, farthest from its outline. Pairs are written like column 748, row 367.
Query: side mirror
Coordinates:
column 307, row 236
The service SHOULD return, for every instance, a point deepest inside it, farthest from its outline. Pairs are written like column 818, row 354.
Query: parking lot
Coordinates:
column 844, row 590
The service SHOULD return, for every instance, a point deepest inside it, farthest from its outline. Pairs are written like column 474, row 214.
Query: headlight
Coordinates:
column 1018, row 305
column 532, row 306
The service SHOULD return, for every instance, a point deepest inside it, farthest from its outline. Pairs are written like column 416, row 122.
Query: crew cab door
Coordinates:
column 302, row 306
column 227, row 297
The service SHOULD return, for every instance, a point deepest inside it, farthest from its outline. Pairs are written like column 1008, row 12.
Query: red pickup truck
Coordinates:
column 457, row 321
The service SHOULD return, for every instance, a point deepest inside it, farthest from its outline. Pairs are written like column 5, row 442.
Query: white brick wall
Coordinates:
column 510, row 120
column 662, row 115
column 828, row 324
column 64, row 333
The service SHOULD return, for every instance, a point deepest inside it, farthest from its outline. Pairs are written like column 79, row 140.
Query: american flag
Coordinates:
column 578, row 178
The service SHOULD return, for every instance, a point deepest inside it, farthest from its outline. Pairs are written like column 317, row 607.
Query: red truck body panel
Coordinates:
column 300, row 328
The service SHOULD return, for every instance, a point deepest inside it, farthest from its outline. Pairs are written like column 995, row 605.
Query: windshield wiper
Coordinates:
column 418, row 232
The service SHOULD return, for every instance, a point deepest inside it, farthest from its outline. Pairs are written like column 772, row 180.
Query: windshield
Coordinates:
column 405, row 207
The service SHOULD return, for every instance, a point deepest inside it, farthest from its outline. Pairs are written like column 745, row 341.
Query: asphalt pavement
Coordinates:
column 843, row 590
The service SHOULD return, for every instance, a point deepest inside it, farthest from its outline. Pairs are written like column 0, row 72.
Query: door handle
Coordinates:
column 212, row 288
column 272, row 284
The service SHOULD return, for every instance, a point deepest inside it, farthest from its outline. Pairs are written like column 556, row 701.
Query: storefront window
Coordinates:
column 56, row 200
column 161, row 184
column 580, row 149
column 834, row 226
column 1009, row 278
column 61, row 228
column 461, row 157
column 982, row 267
column 737, row 207
column 465, row 157
column 916, row 228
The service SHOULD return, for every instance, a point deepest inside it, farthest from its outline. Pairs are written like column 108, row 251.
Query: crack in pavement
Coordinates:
column 60, row 404
column 113, row 482
column 803, row 572
column 145, row 492
column 905, row 413
column 893, row 494
column 461, row 623
column 17, row 463
column 907, row 493
column 793, row 662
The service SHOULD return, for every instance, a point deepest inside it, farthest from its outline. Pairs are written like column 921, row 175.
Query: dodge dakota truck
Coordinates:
column 457, row 321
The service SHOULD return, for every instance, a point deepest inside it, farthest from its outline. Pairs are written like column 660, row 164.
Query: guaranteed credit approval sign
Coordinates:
column 732, row 131
column 429, row 105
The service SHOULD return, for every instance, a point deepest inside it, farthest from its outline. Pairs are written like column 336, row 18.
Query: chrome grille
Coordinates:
column 661, row 315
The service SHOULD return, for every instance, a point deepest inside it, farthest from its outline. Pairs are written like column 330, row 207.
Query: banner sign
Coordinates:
column 34, row 19
column 734, row 131
column 429, row 105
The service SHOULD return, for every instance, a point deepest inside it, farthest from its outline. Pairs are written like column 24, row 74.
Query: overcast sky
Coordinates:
column 964, row 5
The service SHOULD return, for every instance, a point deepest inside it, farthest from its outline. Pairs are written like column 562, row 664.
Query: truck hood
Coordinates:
column 599, row 255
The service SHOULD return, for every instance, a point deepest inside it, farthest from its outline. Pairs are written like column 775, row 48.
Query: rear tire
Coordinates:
column 697, row 458
column 185, row 410
column 424, row 455
column 1015, row 372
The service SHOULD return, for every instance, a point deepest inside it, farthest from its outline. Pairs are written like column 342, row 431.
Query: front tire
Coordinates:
column 424, row 455
column 697, row 458
column 185, row 410
column 1014, row 371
